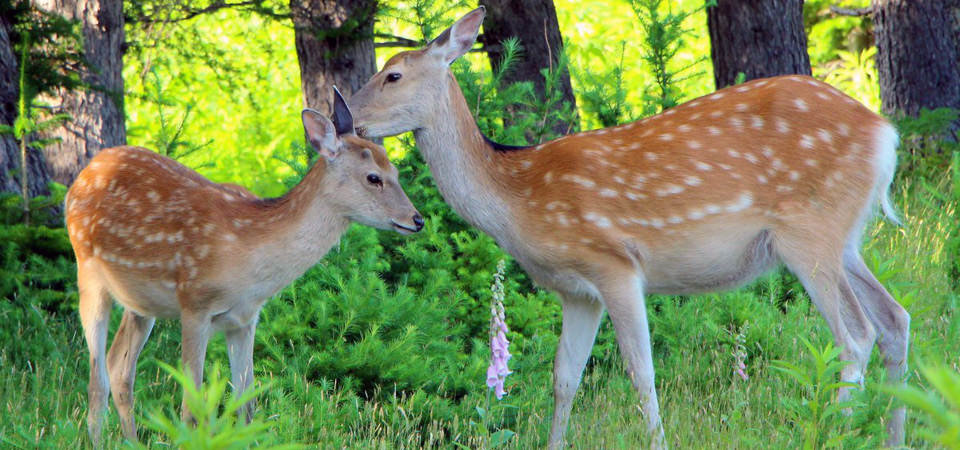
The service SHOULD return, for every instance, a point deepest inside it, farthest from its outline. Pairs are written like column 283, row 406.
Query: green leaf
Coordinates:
column 500, row 437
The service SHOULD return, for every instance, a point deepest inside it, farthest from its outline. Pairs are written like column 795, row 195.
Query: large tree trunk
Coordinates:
column 97, row 111
column 917, row 55
column 335, row 47
column 760, row 38
column 37, row 176
column 534, row 23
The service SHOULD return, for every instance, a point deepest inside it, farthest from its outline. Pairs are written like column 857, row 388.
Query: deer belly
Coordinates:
column 143, row 294
column 690, row 268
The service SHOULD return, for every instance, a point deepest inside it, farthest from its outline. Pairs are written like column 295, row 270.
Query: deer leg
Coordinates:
column 628, row 312
column 581, row 318
column 95, row 305
column 122, row 366
column 820, row 270
column 893, row 327
column 195, row 330
column 240, row 350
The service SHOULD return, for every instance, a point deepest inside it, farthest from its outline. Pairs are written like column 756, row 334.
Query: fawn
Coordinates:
column 164, row 241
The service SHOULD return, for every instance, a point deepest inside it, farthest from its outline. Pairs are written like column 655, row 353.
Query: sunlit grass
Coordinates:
column 704, row 403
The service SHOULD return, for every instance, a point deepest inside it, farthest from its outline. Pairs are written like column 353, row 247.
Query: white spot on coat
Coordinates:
column 582, row 181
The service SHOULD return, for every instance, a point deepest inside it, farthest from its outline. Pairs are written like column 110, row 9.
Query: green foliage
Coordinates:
column 929, row 124
column 938, row 404
column 47, row 46
column 816, row 415
column 532, row 118
column 241, row 83
column 218, row 426
column 382, row 344
column 37, row 283
column 44, row 209
column 428, row 18
column 26, row 124
column 841, row 49
column 929, row 140
column 854, row 72
column 604, row 100
column 664, row 35
column 829, row 33
column 169, row 139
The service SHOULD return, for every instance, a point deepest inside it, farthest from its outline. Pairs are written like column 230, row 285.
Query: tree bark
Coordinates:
column 918, row 51
column 97, row 110
column 334, row 41
column 534, row 23
column 37, row 176
column 761, row 38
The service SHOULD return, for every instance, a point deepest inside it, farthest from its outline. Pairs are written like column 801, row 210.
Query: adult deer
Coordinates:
column 705, row 196
column 166, row 242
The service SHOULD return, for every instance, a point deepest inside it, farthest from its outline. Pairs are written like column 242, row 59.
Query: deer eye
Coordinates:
column 374, row 179
column 393, row 77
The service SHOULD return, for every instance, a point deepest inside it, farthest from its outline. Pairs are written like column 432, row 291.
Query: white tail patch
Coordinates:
column 886, row 164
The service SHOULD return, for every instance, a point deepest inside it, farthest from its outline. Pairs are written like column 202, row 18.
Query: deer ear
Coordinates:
column 321, row 134
column 459, row 38
column 342, row 117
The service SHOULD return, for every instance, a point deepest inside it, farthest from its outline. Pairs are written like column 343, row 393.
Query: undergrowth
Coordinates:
column 383, row 343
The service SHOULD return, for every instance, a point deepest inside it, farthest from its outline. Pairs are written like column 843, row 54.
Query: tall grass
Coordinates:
column 705, row 404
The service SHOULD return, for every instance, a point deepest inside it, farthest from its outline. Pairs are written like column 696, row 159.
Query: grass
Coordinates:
column 704, row 403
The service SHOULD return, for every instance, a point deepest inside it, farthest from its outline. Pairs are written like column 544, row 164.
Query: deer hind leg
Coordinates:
column 819, row 267
column 893, row 328
column 122, row 365
column 95, row 305
column 240, row 351
column 624, row 300
column 195, row 330
column 581, row 318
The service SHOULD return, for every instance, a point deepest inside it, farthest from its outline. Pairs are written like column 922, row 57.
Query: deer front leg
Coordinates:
column 628, row 312
column 195, row 330
column 240, row 350
column 581, row 318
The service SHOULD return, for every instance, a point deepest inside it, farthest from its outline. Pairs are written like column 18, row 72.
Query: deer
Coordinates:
column 703, row 197
column 163, row 241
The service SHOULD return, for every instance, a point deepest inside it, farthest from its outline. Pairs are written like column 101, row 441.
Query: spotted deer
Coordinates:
column 164, row 241
column 705, row 196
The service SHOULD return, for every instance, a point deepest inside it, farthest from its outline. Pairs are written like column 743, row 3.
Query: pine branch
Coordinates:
column 217, row 5
column 855, row 12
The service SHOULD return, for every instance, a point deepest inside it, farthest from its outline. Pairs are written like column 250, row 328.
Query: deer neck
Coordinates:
column 468, row 172
column 298, row 228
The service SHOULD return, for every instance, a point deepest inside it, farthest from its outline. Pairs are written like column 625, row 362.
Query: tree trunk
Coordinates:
column 534, row 23
column 97, row 111
column 37, row 176
column 917, row 55
column 334, row 46
column 760, row 38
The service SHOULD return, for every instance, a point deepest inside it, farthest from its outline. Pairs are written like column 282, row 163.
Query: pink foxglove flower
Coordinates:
column 499, row 345
column 740, row 352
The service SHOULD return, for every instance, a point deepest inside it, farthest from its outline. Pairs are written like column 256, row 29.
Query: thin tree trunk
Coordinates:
column 760, row 38
column 918, row 51
column 534, row 23
column 37, row 176
column 334, row 41
column 97, row 111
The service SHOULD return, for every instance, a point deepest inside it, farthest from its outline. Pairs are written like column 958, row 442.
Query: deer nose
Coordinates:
column 418, row 221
